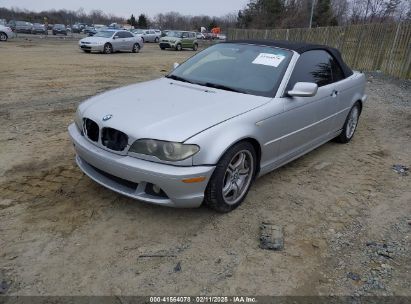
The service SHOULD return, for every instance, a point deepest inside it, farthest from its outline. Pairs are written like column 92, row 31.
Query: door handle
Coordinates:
column 334, row 93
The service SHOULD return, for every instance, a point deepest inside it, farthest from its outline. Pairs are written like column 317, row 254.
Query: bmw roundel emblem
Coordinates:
column 107, row 117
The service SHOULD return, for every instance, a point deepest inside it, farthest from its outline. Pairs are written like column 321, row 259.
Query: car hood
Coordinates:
column 166, row 109
column 93, row 39
column 170, row 39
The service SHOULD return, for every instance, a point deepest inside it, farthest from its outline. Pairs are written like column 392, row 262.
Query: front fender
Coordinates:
column 214, row 142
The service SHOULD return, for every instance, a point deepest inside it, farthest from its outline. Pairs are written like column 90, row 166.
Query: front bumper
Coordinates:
column 130, row 176
column 166, row 45
column 92, row 47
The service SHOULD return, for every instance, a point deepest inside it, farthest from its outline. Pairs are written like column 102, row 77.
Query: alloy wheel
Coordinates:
column 136, row 48
column 352, row 122
column 238, row 176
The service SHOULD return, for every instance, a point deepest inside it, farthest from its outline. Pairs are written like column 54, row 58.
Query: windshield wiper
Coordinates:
column 223, row 87
column 178, row 78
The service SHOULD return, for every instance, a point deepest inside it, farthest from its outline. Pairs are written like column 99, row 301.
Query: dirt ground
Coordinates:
column 345, row 213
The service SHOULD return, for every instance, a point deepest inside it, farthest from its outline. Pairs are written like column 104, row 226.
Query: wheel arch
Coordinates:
column 220, row 147
column 360, row 103
column 111, row 45
column 257, row 148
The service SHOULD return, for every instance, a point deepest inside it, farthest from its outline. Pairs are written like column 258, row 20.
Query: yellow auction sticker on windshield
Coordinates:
column 269, row 59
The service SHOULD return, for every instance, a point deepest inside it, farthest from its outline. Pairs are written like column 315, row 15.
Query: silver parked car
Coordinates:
column 6, row 33
column 227, row 115
column 150, row 35
column 109, row 41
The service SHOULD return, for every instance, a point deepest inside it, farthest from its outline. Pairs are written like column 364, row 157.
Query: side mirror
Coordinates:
column 304, row 89
column 175, row 65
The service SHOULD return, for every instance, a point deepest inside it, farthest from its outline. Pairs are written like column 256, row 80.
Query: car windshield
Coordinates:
column 243, row 68
column 137, row 31
column 59, row 26
column 104, row 34
column 174, row 34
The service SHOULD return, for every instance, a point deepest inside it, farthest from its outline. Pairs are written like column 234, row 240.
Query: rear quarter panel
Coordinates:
column 351, row 90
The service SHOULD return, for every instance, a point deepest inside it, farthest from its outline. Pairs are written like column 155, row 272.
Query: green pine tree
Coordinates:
column 323, row 14
column 142, row 21
column 132, row 21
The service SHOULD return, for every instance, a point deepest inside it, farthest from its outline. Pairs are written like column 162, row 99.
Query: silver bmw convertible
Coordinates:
column 227, row 115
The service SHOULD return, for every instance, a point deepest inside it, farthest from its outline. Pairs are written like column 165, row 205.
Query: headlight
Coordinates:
column 164, row 150
column 78, row 120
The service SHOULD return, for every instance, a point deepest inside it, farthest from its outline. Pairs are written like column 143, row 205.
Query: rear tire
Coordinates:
column 179, row 47
column 195, row 47
column 108, row 49
column 232, row 178
column 350, row 124
column 156, row 40
column 3, row 37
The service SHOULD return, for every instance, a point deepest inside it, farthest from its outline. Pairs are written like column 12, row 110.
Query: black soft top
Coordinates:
column 300, row 47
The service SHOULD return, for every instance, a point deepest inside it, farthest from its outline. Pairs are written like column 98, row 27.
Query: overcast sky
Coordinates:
column 126, row 7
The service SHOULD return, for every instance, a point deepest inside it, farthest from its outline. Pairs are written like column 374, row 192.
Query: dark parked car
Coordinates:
column 39, row 29
column 23, row 27
column 59, row 29
column 89, row 29
column 77, row 28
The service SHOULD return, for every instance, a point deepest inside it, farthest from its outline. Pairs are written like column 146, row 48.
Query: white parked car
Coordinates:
column 148, row 35
column 109, row 41
column 6, row 33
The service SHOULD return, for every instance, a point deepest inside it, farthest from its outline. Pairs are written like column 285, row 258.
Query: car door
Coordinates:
column 345, row 91
column 193, row 39
column 185, row 39
column 306, row 119
column 128, row 41
column 147, row 36
column 117, row 41
column 152, row 36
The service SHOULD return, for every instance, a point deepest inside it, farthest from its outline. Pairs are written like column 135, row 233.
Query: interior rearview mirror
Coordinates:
column 303, row 89
column 175, row 65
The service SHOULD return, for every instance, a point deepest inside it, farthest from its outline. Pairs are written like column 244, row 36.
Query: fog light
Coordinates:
column 156, row 189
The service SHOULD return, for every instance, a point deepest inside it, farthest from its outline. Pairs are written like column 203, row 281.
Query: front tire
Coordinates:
column 136, row 48
column 350, row 124
column 179, row 47
column 232, row 178
column 156, row 40
column 108, row 49
column 3, row 37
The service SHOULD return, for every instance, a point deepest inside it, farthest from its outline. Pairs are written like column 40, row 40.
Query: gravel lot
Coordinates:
column 345, row 213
